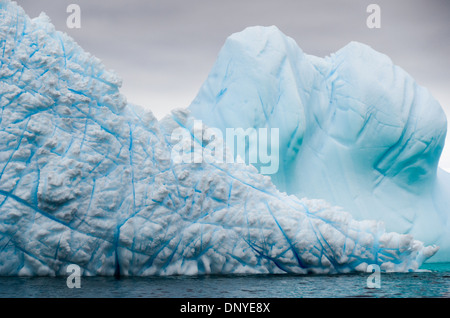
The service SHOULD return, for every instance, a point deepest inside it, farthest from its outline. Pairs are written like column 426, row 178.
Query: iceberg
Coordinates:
column 89, row 179
column 355, row 129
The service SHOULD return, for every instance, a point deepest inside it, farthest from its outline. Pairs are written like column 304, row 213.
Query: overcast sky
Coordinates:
column 163, row 50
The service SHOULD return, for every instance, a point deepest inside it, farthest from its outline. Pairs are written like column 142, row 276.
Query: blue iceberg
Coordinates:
column 355, row 129
column 88, row 179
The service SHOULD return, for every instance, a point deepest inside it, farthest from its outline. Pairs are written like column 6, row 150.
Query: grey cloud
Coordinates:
column 163, row 50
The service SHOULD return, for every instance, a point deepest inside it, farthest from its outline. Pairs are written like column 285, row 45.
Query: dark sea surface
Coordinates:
column 434, row 282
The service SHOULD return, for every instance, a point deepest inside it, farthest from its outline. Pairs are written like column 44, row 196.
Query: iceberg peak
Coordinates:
column 355, row 129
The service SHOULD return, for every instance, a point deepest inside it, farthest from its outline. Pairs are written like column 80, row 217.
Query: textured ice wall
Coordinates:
column 355, row 129
column 87, row 179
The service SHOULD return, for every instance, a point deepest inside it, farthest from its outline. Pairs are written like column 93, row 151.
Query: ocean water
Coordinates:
column 434, row 282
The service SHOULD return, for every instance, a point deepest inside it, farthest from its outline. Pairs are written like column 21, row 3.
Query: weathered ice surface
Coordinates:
column 87, row 179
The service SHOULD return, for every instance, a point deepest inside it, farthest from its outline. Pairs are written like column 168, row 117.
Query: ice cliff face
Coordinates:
column 87, row 179
column 355, row 129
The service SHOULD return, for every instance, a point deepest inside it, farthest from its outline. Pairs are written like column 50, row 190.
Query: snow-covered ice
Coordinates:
column 88, row 179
